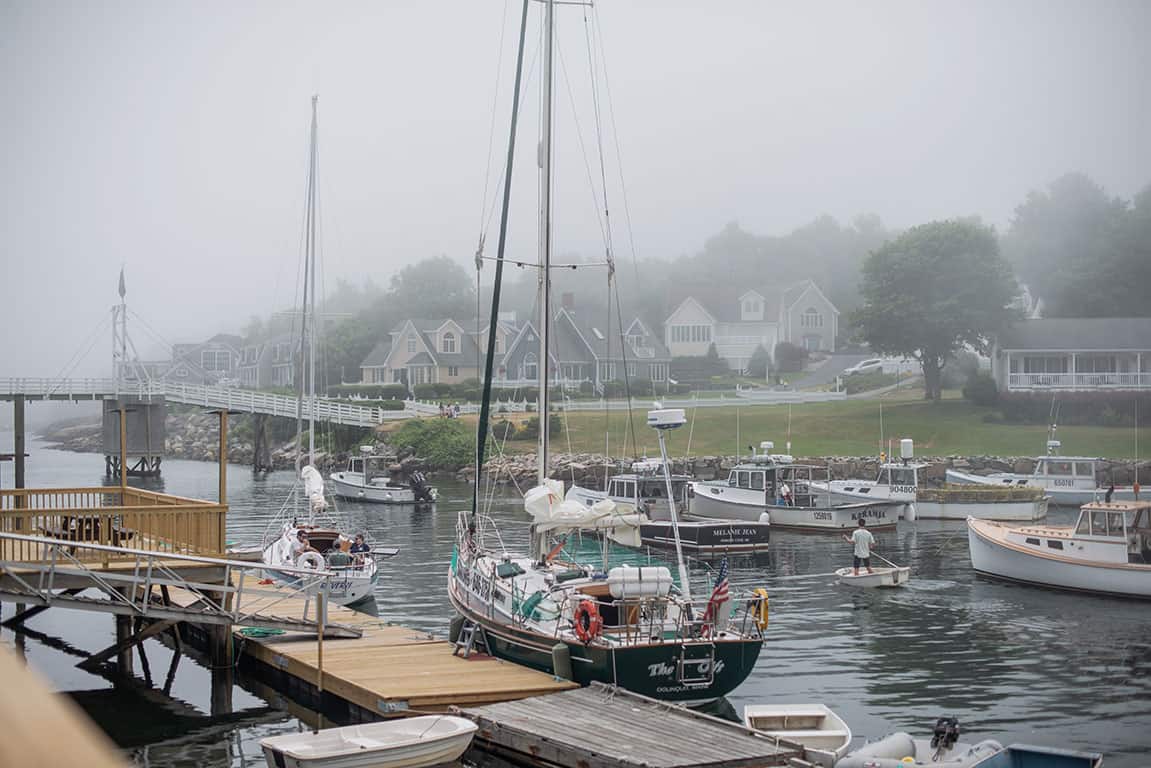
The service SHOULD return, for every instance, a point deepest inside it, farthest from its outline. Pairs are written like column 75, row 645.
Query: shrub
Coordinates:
column 865, row 382
column 504, row 430
column 981, row 389
column 757, row 366
column 958, row 369
column 789, row 358
column 443, row 443
column 531, row 428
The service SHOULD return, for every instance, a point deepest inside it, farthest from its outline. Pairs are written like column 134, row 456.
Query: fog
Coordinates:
column 170, row 138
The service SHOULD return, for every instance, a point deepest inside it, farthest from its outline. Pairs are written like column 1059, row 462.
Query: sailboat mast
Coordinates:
column 307, row 372
column 545, row 241
column 313, row 174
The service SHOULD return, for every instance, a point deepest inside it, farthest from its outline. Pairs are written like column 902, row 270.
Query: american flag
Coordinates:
column 719, row 593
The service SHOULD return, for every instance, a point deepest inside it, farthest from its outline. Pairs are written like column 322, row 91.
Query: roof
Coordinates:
column 1111, row 334
column 422, row 358
column 774, row 297
column 379, row 355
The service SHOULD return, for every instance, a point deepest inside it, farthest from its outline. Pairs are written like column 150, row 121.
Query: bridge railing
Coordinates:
column 134, row 518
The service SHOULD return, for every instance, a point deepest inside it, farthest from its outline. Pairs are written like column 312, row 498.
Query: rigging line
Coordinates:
column 610, row 247
column 491, row 211
column 583, row 148
column 492, row 123
column 626, row 384
column 86, row 346
column 618, row 154
column 485, row 404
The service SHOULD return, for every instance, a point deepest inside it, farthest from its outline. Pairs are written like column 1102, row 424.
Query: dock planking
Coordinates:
column 389, row 669
column 600, row 726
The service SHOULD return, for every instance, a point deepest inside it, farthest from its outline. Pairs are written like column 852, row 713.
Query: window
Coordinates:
column 744, row 480
column 1098, row 522
column 631, row 370
column 1084, row 526
column 757, row 481
column 1095, row 364
column 531, row 366
column 606, row 371
column 686, row 334
column 1114, row 523
column 216, row 360
column 453, row 370
column 411, row 345
column 658, row 371
column 1062, row 468
column 1053, row 544
column 448, row 343
column 811, row 318
column 398, row 376
column 499, row 345
column 1033, row 541
column 635, row 339
column 1085, row 469
column 1053, row 364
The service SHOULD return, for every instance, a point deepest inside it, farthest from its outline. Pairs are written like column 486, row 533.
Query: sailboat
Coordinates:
column 629, row 626
column 328, row 547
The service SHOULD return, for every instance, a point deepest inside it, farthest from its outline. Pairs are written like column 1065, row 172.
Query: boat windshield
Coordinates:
column 903, row 476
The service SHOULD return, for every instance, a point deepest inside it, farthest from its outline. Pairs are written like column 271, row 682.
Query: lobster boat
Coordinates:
column 366, row 479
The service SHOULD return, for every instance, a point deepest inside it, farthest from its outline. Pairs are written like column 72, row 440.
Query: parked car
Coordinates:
column 871, row 365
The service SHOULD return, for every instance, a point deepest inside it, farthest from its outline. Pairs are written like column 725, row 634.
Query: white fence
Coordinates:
column 245, row 400
column 1079, row 381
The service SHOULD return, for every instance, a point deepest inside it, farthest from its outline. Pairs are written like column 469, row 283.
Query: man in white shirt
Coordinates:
column 863, row 541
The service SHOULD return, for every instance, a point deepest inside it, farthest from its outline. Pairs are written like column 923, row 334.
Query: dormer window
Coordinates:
column 448, row 343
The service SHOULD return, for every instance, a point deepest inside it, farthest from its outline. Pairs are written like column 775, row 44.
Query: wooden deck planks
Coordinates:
column 390, row 667
column 596, row 727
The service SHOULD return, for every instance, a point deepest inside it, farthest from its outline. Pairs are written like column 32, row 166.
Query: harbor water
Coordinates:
column 1013, row 663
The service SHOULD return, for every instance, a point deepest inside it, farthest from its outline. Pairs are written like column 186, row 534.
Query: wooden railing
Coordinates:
column 132, row 518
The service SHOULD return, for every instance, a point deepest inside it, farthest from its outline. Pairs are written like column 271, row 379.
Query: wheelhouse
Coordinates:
column 1121, row 521
column 649, row 492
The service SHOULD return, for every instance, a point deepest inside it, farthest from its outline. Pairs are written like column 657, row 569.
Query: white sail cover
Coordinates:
column 314, row 488
column 550, row 512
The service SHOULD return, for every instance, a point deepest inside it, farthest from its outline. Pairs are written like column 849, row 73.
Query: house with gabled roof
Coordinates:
column 1068, row 354
column 422, row 351
column 798, row 313
column 585, row 349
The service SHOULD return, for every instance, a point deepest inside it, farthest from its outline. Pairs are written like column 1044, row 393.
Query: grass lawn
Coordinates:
column 849, row 428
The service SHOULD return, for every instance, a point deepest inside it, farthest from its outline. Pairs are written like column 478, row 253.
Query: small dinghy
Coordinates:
column 942, row 750
column 823, row 734
column 410, row 743
column 879, row 577
column 1026, row 756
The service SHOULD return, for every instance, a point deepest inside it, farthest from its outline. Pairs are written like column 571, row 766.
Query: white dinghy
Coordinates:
column 409, row 743
column 879, row 577
column 822, row 733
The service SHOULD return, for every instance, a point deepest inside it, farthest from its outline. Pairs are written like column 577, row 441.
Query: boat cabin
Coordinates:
column 649, row 492
column 1117, row 522
column 771, row 477
column 1066, row 471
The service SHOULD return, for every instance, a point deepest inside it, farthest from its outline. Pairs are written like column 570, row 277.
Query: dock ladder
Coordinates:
column 471, row 639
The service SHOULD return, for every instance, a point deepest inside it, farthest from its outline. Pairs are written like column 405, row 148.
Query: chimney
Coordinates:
column 567, row 300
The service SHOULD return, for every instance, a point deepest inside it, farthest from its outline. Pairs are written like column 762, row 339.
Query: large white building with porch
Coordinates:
column 1074, row 354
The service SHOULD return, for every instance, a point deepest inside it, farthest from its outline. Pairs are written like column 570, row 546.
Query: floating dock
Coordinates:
column 389, row 670
column 605, row 727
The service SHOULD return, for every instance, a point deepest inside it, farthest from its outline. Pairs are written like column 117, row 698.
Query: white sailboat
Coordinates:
column 328, row 545
column 628, row 626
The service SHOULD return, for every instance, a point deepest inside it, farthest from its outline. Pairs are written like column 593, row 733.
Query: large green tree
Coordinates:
column 1066, row 243
column 933, row 290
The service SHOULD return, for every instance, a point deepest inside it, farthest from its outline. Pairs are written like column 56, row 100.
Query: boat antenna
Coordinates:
column 490, row 353
column 664, row 419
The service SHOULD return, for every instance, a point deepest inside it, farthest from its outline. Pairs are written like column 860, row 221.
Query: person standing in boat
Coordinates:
column 864, row 542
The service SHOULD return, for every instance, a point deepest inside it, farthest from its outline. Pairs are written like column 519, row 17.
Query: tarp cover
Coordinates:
column 550, row 512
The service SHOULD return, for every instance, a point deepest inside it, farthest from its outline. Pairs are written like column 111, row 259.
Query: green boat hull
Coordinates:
column 670, row 671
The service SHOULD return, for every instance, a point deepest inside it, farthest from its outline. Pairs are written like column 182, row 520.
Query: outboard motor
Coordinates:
column 421, row 491
column 945, row 735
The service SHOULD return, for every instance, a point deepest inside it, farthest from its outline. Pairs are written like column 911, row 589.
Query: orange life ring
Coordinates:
column 588, row 622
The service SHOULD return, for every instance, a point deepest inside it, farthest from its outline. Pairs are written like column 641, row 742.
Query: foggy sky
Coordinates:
column 171, row 137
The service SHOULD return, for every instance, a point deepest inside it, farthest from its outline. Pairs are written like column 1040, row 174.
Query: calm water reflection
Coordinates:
column 1013, row 663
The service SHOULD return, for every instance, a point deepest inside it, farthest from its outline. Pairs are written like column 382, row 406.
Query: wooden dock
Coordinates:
column 389, row 670
column 604, row 727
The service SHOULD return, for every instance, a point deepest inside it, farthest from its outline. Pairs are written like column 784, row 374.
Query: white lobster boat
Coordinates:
column 366, row 479
column 754, row 492
column 413, row 742
column 1068, row 480
column 1107, row 552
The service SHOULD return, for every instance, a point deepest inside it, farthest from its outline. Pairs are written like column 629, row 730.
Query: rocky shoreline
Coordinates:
column 194, row 436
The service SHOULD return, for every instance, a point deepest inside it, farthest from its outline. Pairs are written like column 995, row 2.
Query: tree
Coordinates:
column 1065, row 243
column 758, row 364
column 933, row 290
column 432, row 288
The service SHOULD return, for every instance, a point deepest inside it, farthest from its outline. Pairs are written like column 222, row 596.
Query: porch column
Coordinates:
column 1074, row 370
